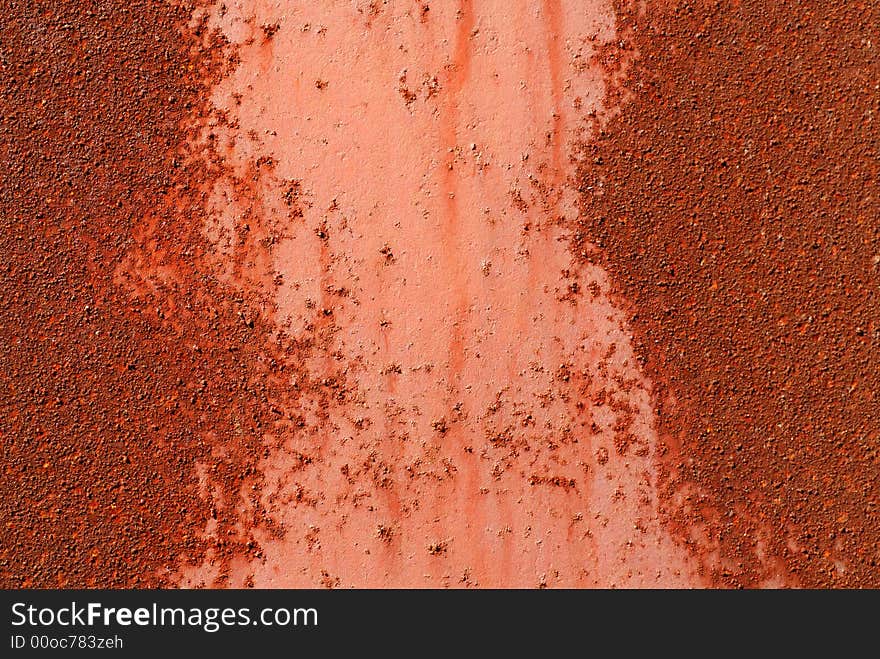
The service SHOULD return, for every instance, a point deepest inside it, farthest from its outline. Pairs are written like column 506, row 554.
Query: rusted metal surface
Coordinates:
column 734, row 200
column 243, row 347
column 110, row 398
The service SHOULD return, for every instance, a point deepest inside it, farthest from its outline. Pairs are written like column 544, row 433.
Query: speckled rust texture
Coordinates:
column 109, row 399
column 735, row 202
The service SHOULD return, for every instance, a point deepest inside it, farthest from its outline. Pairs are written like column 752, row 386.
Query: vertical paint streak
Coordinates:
column 459, row 69
column 553, row 16
column 465, row 494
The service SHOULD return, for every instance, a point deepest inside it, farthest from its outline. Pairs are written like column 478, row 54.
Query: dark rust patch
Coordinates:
column 115, row 393
column 734, row 202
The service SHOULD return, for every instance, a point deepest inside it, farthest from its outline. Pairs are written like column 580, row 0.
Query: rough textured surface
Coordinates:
column 488, row 423
column 735, row 203
column 260, row 329
column 111, row 398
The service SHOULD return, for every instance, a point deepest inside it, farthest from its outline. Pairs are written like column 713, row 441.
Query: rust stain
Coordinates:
column 457, row 76
column 555, row 52
column 397, row 294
